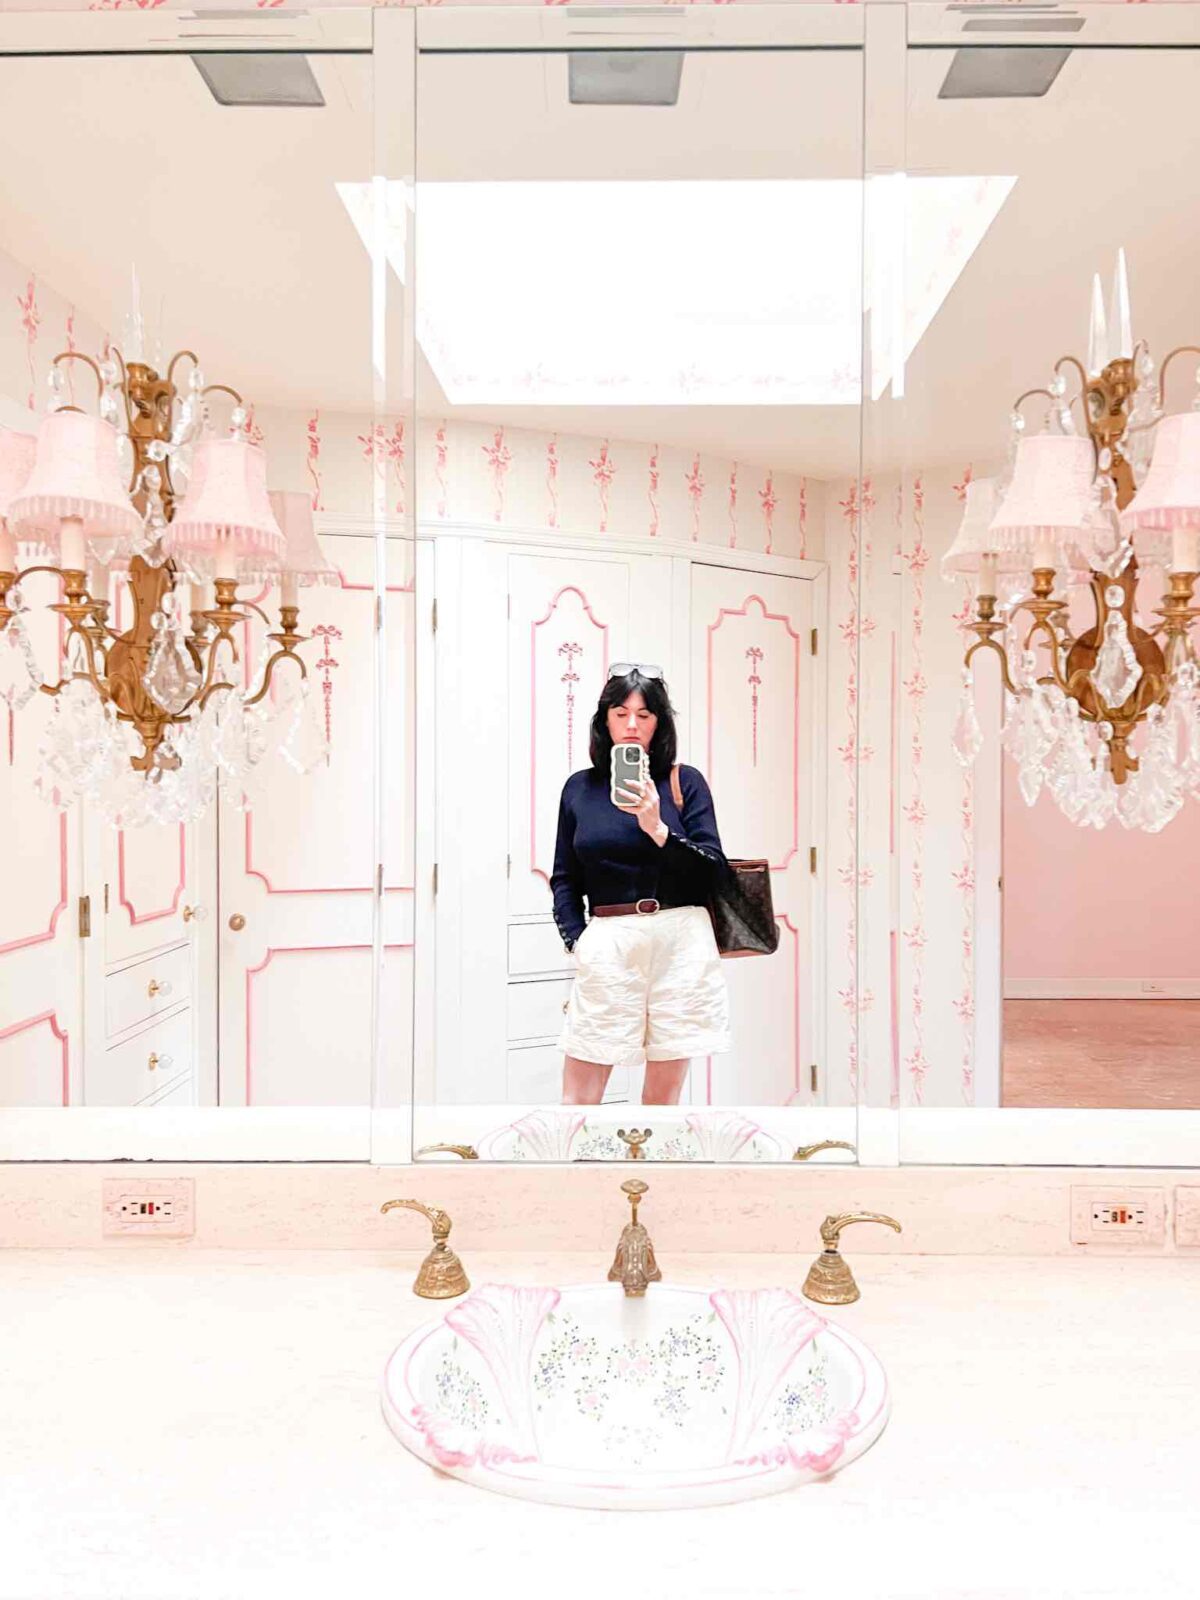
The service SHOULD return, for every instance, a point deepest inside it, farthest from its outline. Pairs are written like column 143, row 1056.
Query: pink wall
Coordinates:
column 1098, row 907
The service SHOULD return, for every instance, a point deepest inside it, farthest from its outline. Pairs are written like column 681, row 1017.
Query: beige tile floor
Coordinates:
column 1127, row 1054
column 183, row 1425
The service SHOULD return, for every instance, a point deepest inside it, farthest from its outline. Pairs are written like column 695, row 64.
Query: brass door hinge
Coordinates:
column 435, row 877
column 812, row 858
column 812, row 642
column 812, row 1077
column 105, row 899
column 508, row 866
column 379, row 878
column 85, row 916
column 378, row 613
column 434, row 616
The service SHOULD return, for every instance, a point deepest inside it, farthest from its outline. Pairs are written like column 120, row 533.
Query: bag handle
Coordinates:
column 676, row 789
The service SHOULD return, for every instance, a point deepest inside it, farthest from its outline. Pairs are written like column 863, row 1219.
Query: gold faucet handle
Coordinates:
column 831, row 1228
column 807, row 1150
column 830, row 1280
column 467, row 1151
column 441, row 1275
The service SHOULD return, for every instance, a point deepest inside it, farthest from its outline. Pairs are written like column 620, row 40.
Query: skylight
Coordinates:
column 730, row 292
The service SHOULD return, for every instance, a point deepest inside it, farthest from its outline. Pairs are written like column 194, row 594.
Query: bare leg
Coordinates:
column 584, row 1082
column 663, row 1082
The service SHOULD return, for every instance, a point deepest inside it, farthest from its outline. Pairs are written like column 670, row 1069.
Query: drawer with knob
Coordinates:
column 142, row 1065
column 147, row 989
column 536, row 1009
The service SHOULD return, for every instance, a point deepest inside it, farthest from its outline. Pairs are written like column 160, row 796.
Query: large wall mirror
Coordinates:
column 1046, row 927
column 192, row 921
column 639, row 303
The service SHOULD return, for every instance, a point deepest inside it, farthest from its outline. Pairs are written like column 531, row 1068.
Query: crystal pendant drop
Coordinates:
column 171, row 677
column 1116, row 672
column 1030, row 734
column 967, row 737
column 20, row 678
column 304, row 745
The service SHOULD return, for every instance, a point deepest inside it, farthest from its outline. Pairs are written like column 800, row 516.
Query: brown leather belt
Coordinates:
column 636, row 908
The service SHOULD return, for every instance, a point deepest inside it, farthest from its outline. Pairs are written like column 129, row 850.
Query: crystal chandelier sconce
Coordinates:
column 1107, row 719
column 150, row 721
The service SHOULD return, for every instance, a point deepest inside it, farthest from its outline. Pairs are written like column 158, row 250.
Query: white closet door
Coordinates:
column 751, row 736
column 570, row 617
column 295, row 976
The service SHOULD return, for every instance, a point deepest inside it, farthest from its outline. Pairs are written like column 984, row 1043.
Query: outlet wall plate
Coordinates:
column 1118, row 1216
column 1187, row 1215
column 158, row 1208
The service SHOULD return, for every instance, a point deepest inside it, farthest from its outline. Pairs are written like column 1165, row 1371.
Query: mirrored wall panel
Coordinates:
column 639, row 307
column 194, row 477
column 1041, row 601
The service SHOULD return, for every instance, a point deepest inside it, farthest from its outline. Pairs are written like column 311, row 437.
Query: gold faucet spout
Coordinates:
column 634, row 1266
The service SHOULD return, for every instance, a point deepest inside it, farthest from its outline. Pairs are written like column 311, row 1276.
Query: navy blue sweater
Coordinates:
column 604, row 857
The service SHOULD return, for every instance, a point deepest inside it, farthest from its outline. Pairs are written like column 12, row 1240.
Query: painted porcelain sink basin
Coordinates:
column 566, row 1135
column 582, row 1397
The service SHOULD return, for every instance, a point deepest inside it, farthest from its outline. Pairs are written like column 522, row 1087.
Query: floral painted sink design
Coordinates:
column 582, row 1397
column 566, row 1135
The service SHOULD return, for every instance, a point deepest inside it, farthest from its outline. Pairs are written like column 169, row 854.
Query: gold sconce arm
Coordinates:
column 441, row 1275
column 467, row 1151
column 830, row 1281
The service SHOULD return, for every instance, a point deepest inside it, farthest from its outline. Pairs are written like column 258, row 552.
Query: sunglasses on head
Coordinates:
column 623, row 669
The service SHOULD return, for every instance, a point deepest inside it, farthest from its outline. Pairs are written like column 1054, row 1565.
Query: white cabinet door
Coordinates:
column 751, row 735
column 297, row 873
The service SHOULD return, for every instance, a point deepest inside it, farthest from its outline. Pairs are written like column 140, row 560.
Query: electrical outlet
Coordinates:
column 1187, row 1214
column 1119, row 1216
column 160, row 1208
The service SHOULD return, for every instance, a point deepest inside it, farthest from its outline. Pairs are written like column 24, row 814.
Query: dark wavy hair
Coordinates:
column 663, row 746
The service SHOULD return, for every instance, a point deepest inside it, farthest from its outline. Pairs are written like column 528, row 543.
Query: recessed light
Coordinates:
column 624, row 77
column 259, row 78
column 1002, row 72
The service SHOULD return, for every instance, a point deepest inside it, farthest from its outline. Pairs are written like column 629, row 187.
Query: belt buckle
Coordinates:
column 647, row 907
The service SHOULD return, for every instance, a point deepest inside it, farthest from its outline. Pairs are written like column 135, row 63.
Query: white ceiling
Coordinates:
column 234, row 223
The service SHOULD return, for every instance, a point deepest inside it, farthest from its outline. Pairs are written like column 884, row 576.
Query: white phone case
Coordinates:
column 622, row 769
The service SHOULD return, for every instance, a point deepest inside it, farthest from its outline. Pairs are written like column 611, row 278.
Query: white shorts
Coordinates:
column 647, row 989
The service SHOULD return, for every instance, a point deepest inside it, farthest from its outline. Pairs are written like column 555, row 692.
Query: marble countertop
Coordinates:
column 186, row 1425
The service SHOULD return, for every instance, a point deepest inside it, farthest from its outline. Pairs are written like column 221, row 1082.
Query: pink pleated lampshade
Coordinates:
column 1050, row 499
column 1169, row 500
column 972, row 541
column 17, row 451
column 75, row 473
column 303, row 557
column 225, row 510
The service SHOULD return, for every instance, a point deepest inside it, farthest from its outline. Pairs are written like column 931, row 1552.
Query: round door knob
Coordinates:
column 193, row 913
column 237, row 922
column 154, row 987
column 156, row 1061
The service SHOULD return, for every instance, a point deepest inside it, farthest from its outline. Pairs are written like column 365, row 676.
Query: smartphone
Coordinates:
column 629, row 766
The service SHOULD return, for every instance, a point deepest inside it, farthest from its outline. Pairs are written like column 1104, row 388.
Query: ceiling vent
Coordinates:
column 259, row 78
column 624, row 77
column 1000, row 72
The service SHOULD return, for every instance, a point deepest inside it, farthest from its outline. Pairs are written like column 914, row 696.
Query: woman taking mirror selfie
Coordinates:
column 638, row 842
